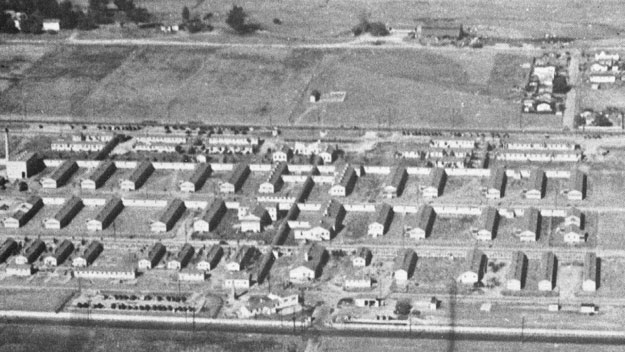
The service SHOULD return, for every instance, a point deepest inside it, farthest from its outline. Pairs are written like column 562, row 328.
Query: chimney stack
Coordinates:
column 6, row 144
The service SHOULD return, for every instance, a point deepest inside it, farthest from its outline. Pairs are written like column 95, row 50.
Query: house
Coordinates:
column 404, row 265
column 281, row 234
column 497, row 184
column 357, row 282
column 60, row 175
column 548, row 270
column 274, row 182
column 238, row 280
column 476, row 268
column 99, row 176
column 382, row 222
column 31, row 253
column 242, row 259
column 363, row 302
column 517, row 272
column 162, row 139
column 596, row 67
column 89, row 255
column 182, row 258
column 335, row 211
column 155, row 254
column 323, row 231
column 282, row 154
column 210, row 259
column 269, row 305
column 420, row 226
column 170, row 216
column 19, row 270
column 577, row 186
column 24, row 166
column 329, row 154
column 266, row 262
column 107, row 215
column 573, row 234
column 63, row 217
column 438, row 177
column 490, row 221
column 345, row 182
column 191, row 275
column 24, row 213
column 574, row 216
column 8, row 248
column 211, row 218
column 197, row 180
column 307, row 187
column 51, row 25
column 106, row 272
column 532, row 220
column 590, row 272
column 138, row 177
column 315, row 259
column 362, row 257
column 537, row 181
column 236, row 179
column 256, row 220
column 397, row 182
column 61, row 253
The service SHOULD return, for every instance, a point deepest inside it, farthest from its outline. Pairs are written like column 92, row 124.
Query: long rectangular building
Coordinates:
column 197, row 180
column 24, row 213
column 211, row 217
column 61, row 175
column 63, row 217
column 236, row 179
column 168, row 219
column 138, row 176
column 99, row 176
column 107, row 215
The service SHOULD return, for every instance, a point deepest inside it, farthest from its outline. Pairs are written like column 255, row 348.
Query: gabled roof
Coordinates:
column 276, row 173
column 111, row 206
column 67, row 208
column 92, row 248
column 577, row 181
column 547, row 266
column 490, row 215
column 516, row 266
column 333, row 209
column 239, row 171
column 384, row 212
column 531, row 219
column 497, row 179
column 66, row 167
column 573, row 211
column 590, row 266
column 101, row 170
column 437, row 177
column 172, row 209
column 404, row 260
column 186, row 252
column 425, row 215
column 63, row 248
column 143, row 168
column 216, row 206
column 259, row 211
column 363, row 252
column 537, row 179
column 200, row 173
column 398, row 176
column 37, row 246
column 475, row 259
column 348, row 175
column 156, row 249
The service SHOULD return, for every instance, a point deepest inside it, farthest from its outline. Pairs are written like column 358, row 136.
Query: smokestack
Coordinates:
column 6, row 145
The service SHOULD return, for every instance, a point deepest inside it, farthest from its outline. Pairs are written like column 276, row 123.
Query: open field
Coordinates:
column 425, row 88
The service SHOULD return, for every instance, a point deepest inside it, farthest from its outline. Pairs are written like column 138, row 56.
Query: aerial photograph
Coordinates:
column 312, row 176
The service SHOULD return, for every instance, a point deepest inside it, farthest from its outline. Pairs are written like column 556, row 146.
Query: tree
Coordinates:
column 236, row 18
column 185, row 14
column 403, row 307
column 124, row 5
column 7, row 25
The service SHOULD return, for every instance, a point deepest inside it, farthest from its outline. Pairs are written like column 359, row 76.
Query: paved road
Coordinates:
column 568, row 119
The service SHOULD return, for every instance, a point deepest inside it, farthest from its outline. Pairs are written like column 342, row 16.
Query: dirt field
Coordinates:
column 423, row 88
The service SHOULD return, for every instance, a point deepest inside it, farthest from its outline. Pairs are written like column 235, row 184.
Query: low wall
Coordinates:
column 418, row 171
column 300, row 169
column 468, row 172
column 94, row 202
column 406, row 209
column 275, row 199
column 309, row 206
column 324, row 179
column 294, row 178
column 232, row 205
column 261, row 167
column 195, row 204
column 126, row 164
column 377, row 170
column 53, row 200
column 221, row 167
column 156, row 203
column 457, row 211
column 88, row 164
column 174, row 166
column 326, row 169
column 365, row 208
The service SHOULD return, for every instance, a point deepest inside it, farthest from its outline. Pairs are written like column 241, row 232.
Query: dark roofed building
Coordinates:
column 577, row 185
column 537, row 181
column 590, row 272
column 362, row 257
column 8, row 248
column 382, row 222
column 107, row 215
column 63, row 217
column 89, row 255
column 99, row 176
column 420, row 226
column 490, row 224
column 532, row 220
column 211, row 218
column 138, row 177
column 274, row 182
column 31, row 253
column 497, row 184
column 61, row 253
column 61, row 175
column 197, row 180
column 155, row 254
column 168, row 219
column 404, row 265
column 182, row 259
column 211, row 258
column 264, row 267
column 236, row 179
column 548, row 270
column 24, row 213
column 438, row 177
column 517, row 272
column 476, row 267
column 397, row 182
